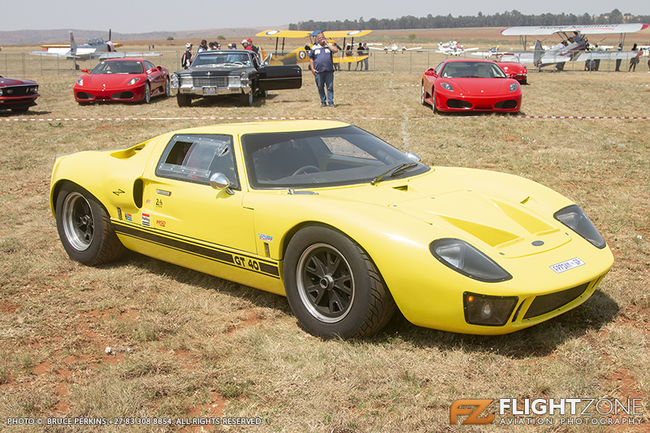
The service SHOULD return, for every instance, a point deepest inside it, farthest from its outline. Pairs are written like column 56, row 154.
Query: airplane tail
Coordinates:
column 539, row 52
column 73, row 44
column 110, row 37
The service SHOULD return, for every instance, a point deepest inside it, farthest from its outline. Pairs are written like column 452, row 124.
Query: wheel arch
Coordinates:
column 56, row 190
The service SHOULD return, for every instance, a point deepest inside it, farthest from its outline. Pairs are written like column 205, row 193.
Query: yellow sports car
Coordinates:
column 345, row 225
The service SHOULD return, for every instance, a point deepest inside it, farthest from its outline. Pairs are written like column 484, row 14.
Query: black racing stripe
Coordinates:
column 177, row 244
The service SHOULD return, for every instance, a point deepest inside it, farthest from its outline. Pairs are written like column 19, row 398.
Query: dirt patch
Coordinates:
column 6, row 307
column 43, row 368
column 251, row 319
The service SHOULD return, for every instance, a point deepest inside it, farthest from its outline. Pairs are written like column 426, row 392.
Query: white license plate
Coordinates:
column 209, row 90
column 558, row 268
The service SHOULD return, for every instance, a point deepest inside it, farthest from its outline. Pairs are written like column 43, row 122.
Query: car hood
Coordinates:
column 5, row 82
column 109, row 80
column 216, row 72
column 478, row 206
column 477, row 86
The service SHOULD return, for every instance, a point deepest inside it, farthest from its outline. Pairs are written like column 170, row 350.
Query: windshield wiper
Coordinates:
column 394, row 171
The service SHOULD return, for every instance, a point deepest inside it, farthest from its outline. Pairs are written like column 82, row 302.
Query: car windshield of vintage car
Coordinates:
column 118, row 67
column 472, row 70
column 327, row 157
column 221, row 59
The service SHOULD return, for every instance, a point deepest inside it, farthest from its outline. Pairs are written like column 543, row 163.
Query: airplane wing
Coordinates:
column 606, row 55
column 120, row 54
column 378, row 48
column 590, row 29
column 411, row 49
column 52, row 52
column 346, row 33
column 283, row 34
column 349, row 59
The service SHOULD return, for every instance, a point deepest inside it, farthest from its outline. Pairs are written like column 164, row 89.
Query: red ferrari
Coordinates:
column 125, row 80
column 470, row 85
column 17, row 95
column 515, row 70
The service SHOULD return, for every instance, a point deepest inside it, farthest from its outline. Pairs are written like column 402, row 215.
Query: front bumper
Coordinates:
column 199, row 87
column 458, row 102
column 122, row 94
column 7, row 102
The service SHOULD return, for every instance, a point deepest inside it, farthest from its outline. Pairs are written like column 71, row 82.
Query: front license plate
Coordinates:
column 209, row 90
column 558, row 268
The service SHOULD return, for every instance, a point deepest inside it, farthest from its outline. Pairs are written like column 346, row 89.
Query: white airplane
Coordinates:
column 96, row 48
column 574, row 46
column 393, row 48
column 453, row 48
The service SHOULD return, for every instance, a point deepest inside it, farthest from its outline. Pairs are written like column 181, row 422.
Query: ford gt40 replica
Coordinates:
column 17, row 95
column 345, row 225
column 232, row 72
column 515, row 70
column 470, row 85
column 124, row 80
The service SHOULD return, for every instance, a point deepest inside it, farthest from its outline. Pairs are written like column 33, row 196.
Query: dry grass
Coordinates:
column 187, row 344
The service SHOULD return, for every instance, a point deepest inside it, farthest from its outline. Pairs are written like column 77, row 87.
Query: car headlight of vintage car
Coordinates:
column 34, row 89
column 132, row 81
column 244, row 79
column 574, row 218
column 80, row 81
column 447, row 86
column 464, row 258
column 488, row 310
column 174, row 81
column 514, row 86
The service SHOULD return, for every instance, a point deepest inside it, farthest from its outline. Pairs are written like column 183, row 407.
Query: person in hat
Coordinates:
column 203, row 46
column 253, row 47
column 244, row 44
column 186, row 59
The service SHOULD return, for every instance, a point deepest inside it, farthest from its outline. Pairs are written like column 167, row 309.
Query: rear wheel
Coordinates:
column 167, row 88
column 183, row 100
column 85, row 228
column 423, row 95
column 333, row 287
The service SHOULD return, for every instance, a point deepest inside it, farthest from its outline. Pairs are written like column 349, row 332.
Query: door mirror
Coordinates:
column 159, row 68
column 86, row 71
column 219, row 181
column 267, row 59
column 431, row 72
column 412, row 156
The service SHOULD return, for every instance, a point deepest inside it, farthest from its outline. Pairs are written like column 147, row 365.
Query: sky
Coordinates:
column 128, row 16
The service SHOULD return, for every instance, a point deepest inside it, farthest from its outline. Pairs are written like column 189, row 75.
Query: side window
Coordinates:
column 195, row 157
column 439, row 68
column 148, row 65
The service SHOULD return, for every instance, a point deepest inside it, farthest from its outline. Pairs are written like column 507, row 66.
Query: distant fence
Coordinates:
column 24, row 65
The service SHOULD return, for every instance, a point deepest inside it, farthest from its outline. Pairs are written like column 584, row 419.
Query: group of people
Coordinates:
column 186, row 58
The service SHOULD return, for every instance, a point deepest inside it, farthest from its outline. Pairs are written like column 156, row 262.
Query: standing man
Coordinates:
column 322, row 66
column 186, row 60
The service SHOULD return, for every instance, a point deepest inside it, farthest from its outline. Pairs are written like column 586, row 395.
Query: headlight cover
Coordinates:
column 447, row 86
column 173, row 81
column 132, row 81
column 514, row 86
column 80, row 81
column 467, row 260
column 488, row 310
column 574, row 218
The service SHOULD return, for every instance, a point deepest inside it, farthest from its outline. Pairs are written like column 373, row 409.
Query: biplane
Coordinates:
column 394, row 48
column 573, row 46
column 299, row 55
column 453, row 48
column 96, row 48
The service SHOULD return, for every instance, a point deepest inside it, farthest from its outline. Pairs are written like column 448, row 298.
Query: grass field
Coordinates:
column 186, row 344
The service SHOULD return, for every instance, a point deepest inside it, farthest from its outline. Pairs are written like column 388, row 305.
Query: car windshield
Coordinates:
column 221, row 58
column 327, row 157
column 118, row 67
column 472, row 70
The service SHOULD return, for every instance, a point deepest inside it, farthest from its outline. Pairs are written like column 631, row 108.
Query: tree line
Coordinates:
column 505, row 19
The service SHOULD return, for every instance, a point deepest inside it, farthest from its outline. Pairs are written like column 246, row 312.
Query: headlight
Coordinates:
column 244, row 78
column 447, row 86
column 80, row 81
column 488, row 310
column 574, row 218
column 514, row 86
column 464, row 258
column 173, row 81
column 0, row 92
column 132, row 81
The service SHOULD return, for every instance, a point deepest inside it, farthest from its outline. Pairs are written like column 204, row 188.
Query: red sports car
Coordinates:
column 470, row 85
column 17, row 95
column 515, row 70
column 125, row 80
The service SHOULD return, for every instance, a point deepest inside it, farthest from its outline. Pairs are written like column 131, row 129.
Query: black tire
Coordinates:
column 248, row 99
column 433, row 101
column 333, row 287
column 183, row 100
column 423, row 95
column 147, row 93
column 167, row 88
column 84, row 227
column 20, row 110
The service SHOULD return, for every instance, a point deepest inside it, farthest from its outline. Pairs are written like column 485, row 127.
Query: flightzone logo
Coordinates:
column 547, row 411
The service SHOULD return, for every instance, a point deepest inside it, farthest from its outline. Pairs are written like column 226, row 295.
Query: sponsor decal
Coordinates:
column 128, row 217
column 161, row 223
column 146, row 220
column 265, row 238
column 119, row 213
column 118, row 192
column 548, row 411
column 159, row 203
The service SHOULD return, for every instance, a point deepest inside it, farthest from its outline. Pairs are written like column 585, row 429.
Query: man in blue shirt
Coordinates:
column 322, row 66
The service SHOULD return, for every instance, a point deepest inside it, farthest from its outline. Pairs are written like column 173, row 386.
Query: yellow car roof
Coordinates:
column 265, row 126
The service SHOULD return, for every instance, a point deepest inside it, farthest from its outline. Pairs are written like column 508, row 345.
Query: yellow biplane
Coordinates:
column 299, row 55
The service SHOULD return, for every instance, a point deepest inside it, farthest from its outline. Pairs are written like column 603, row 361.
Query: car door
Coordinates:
column 190, row 215
column 279, row 77
column 155, row 77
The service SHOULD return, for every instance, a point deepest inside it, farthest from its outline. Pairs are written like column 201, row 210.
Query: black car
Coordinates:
column 228, row 72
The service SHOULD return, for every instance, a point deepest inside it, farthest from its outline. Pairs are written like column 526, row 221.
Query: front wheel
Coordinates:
column 183, row 100
column 333, row 287
column 147, row 93
column 248, row 98
column 20, row 110
column 84, row 227
column 434, row 108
